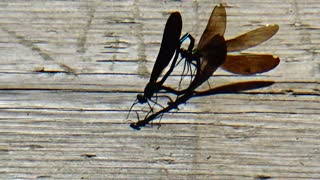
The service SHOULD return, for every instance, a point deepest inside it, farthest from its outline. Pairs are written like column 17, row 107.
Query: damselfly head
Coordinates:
column 141, row 98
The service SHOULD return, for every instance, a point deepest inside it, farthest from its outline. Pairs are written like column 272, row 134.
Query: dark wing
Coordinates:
column 211, row 47
column 216, row 26
column 252, row 38
column 212, row 56
column 170, row 42
column 247, row 64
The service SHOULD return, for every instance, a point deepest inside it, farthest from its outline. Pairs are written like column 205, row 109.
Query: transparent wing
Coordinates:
column 216, row 26
column 170, row 42
column 248, row 64
column 252, row 38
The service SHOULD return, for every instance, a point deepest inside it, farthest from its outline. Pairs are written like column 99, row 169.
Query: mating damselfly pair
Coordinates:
column 212, row 52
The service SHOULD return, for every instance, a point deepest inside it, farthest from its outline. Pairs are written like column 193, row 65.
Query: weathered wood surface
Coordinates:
column 71, row 69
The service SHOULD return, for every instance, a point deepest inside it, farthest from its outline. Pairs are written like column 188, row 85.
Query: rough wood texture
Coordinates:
column 70, row 70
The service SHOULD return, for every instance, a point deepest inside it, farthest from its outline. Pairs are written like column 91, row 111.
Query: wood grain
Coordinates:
column 70, row 70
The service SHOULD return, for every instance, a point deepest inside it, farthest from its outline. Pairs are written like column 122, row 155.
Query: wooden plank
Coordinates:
column 70, row 70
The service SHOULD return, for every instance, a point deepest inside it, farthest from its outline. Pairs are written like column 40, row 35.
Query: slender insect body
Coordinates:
column 169, row 46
